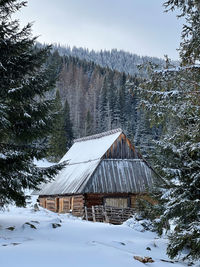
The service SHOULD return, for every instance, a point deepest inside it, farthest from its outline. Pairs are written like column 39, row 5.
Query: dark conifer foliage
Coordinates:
column 114, row 59
column 101, row 99
column 88, row 124
column 103, row 107
column 68, row 126
column 171, row 98
column 24, row 114
column 57, row 138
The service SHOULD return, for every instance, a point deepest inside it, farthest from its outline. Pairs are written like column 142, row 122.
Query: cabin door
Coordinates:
column 117, row 202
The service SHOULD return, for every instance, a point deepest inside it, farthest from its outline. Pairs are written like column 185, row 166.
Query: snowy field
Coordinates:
column 28, row 239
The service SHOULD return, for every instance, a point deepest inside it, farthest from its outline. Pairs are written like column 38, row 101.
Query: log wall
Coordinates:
column 42, row 202
column 64, row 204
column 77, row 204
column 51, row 204
column 99, row 199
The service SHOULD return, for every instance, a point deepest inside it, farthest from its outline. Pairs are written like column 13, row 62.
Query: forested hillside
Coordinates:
column 100, row 99
column 114, row 59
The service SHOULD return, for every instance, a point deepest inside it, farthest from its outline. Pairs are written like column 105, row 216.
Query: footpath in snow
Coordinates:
column 29, row 239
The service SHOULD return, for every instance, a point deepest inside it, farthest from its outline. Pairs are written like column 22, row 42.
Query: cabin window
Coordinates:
column 117, row 202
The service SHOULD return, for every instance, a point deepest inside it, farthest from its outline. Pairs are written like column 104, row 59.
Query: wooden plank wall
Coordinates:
column 76, row 204
column 51, row 204
column 42, row 202
column 98, row 199
column 64, row 204
column 121, row 149
column 93, row 200
column 117, row 202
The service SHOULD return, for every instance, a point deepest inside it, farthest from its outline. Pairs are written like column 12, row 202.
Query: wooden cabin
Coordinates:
column 102, row 170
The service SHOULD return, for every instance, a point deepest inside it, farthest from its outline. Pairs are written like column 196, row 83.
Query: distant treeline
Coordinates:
column 100, row 99
column 114, row 59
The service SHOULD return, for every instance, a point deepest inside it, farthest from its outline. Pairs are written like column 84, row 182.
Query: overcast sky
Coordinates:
column 138, row 26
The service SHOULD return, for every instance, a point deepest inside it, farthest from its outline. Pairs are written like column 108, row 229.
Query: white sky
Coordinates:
column 138, row 26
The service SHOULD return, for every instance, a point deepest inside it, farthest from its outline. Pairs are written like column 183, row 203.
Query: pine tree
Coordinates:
column 88, row 124
column 68, row 126
column 103, row 107
column 177, row 155
column 122, row 100
column 25, row 117
column 57, row 139
column 111, row 97
column 171, row 97
column 54, row 62
column 61, row 136
column 189, row 46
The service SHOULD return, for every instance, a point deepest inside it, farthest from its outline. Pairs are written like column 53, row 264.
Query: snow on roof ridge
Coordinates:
column 96, row 136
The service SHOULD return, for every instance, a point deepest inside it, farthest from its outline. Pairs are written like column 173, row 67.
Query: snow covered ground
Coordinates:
column 28, row 239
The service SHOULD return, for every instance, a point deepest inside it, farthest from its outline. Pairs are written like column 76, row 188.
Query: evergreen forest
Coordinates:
column 99, row 99
column 53, row 94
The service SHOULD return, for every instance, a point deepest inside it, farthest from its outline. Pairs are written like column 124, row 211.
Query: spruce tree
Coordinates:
column 103, row 107
column 88, row 124
column 189, row 46
column 25, row 117
column 68, row 126
column 111, row 96
column 171, row 96
column 57, row 139
column 177, row 154
column 61, row 136
column 122, row 100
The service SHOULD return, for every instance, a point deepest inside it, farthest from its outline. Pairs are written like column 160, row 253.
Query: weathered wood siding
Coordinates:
column 116, row 202
column 121, row 149
column 93, row 200
column 42, row 202
column 64, row 204
column 76, row 204
column 51, row 204
column 100, row 199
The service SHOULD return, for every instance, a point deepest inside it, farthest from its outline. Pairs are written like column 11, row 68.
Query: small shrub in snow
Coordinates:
column 56, row 225
column 30, row 225
column 139, row 224
column 11, row 228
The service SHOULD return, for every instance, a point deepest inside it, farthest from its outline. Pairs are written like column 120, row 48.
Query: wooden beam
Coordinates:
column 93, row 214
column 86, row 214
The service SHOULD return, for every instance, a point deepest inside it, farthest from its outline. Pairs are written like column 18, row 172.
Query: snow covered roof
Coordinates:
column 91, row 148
column 87, row 170
column 83, row 158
